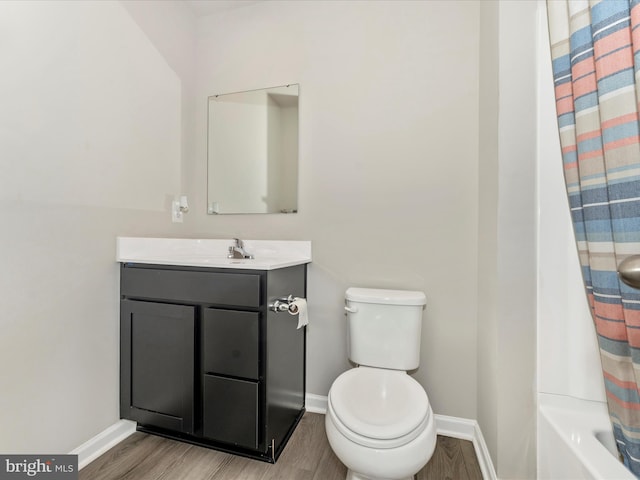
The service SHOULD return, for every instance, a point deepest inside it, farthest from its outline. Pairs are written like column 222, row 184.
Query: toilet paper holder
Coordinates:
column 284, row 304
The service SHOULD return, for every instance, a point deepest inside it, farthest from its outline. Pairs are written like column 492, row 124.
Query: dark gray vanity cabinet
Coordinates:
column 204, row 359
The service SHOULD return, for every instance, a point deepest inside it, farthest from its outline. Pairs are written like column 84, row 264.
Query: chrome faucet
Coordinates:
column 237, row 250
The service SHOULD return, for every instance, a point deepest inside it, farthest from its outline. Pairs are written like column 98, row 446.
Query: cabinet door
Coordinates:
column 157, row 364
column 230, row 411
column 230, row 343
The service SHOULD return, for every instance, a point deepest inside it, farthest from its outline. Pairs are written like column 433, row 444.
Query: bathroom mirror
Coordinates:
column 252, row 152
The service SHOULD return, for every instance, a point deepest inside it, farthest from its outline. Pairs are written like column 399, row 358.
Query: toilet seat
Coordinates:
column 378, row 408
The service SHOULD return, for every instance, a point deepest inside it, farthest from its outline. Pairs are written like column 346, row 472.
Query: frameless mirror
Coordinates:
column 252, row 153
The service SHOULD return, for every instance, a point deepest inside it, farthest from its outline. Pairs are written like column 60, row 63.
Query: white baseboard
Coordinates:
column 462, row 428
column 466, row 429
column 108, row 438
column 315, row 403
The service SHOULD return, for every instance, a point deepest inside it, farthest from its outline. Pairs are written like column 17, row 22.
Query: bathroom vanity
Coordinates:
column 204, row 359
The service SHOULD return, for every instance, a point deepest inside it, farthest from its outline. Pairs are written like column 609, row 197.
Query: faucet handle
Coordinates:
column 238, row 242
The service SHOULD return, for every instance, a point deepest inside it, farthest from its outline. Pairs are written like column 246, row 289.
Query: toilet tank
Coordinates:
column 384, row 327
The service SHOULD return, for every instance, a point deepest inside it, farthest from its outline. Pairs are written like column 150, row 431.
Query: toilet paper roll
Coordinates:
column 299, row 307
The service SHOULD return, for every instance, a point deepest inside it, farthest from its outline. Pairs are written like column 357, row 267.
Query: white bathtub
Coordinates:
column 575, row 441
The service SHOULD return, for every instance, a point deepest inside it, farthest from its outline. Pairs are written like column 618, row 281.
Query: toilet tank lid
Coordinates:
column 386, row 297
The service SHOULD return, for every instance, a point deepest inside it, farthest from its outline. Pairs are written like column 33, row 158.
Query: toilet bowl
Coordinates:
column 379, row 422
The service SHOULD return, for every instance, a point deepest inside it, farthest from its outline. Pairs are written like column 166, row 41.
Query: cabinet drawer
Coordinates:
column 230, row 343
column 236, row 289
column 230, row 411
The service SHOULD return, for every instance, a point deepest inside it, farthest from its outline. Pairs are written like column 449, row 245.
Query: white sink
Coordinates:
column 268, row 254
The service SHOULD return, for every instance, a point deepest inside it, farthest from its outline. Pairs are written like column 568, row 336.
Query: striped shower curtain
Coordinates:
column 595, row 47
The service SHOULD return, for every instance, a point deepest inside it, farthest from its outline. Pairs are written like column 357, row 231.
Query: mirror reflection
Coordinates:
column 253, row 151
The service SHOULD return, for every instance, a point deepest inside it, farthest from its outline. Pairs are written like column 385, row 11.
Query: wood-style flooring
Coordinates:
column 307, row 456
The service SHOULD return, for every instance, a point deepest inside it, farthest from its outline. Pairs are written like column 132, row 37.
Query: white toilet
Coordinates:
column 379, row 422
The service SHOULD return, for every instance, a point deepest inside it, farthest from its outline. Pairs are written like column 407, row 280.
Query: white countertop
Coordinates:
column 206, row 252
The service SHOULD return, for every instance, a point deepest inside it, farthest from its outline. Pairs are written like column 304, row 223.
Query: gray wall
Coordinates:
column 90, row 148
column 388, row 163
column 507, row 254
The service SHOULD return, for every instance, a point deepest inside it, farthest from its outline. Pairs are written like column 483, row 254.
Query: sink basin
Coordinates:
column 268, row 254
